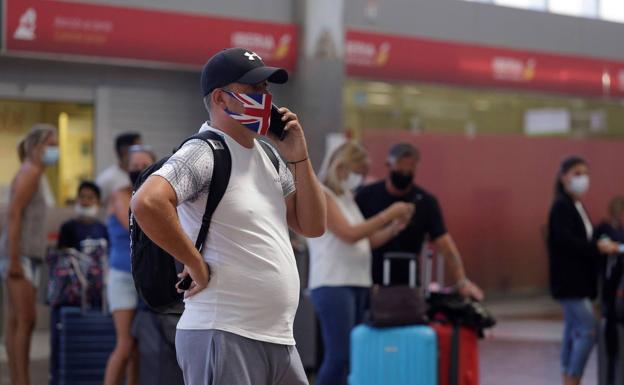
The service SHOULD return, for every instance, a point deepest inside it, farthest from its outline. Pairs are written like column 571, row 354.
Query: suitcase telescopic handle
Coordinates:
column 411, row 257
column 400, row 255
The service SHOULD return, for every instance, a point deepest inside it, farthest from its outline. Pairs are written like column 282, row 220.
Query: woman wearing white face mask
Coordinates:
column 340, row 260
column 573, row 256
column 23, row 244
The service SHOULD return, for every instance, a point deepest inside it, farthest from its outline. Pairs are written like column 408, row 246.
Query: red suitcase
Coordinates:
column 458, row 355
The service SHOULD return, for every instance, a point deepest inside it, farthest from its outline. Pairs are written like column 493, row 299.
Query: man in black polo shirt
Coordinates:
column 427, row 220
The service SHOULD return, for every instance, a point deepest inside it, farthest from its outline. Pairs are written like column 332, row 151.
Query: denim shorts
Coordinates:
column 31, row 266
column 120, row 291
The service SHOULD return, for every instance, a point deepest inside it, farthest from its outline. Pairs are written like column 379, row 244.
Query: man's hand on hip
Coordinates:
column 200, row 275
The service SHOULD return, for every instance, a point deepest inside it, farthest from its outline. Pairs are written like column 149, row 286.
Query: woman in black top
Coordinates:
column 574, row 255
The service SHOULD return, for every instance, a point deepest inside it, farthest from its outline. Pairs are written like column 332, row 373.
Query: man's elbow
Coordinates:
column 142, row 205
column 315, row 230
column 314, row 233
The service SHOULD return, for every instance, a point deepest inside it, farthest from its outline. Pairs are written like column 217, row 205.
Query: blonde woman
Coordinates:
column 340, row 260
column 23, row 244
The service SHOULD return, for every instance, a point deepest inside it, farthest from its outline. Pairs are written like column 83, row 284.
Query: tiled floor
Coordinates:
column 514, row 362
column 502, row 363
column 521, row 350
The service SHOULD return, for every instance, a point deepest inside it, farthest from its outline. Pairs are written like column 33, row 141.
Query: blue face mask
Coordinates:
column 50, row 155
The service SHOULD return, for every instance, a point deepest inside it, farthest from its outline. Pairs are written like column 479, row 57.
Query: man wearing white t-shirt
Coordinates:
column 115, row 176
column 238, row 319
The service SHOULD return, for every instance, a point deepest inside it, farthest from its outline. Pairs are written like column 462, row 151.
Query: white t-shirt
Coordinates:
column 112, row 179
column 254, row 287
column 334, row 262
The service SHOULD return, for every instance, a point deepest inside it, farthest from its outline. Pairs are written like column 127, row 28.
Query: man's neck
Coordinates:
column 395, row 191
column 238, row 132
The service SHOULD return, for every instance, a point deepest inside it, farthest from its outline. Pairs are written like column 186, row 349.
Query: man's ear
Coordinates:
column 217, row 98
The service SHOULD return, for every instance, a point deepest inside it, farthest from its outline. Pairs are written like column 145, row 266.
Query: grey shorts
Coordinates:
column 215, row 357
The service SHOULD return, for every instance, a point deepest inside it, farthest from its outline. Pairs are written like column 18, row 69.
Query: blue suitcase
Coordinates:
column 405, row 355
column 86, row 340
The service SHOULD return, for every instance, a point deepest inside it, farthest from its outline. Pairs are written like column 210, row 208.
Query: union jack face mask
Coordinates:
column 256, row 114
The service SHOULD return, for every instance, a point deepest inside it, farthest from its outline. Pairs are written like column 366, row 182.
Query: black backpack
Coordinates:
column 155, row 272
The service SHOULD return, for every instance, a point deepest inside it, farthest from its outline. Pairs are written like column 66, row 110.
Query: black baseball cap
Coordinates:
column 238, row 65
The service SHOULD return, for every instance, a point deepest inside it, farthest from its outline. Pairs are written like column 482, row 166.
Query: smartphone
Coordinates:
column 185, row 283
column 277, row 125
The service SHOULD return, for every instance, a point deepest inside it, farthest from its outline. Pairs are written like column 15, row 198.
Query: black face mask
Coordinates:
column 134, row 176
column 401, row 180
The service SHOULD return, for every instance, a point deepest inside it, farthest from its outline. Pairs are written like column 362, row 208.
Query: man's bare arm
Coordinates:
column 154, row 207
column 307, row 208
column 447, row 247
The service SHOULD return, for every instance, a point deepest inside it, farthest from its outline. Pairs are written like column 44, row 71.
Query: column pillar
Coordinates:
column 318, row 82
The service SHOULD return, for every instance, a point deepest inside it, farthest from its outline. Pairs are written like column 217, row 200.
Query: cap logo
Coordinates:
column 252, row 56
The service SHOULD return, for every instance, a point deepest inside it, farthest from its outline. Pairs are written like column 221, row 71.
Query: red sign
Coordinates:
column 59, row 27
column 375, row 55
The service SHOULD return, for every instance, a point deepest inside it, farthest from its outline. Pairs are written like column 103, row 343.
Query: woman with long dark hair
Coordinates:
column 574, row 254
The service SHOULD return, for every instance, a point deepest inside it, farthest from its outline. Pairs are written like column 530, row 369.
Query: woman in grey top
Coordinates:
column 23, row 244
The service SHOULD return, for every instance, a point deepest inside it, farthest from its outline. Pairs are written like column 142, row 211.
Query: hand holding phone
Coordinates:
column 277, row 124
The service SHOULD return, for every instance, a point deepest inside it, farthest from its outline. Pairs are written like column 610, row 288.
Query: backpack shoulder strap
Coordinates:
column 268, row 149
column 221, row 171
